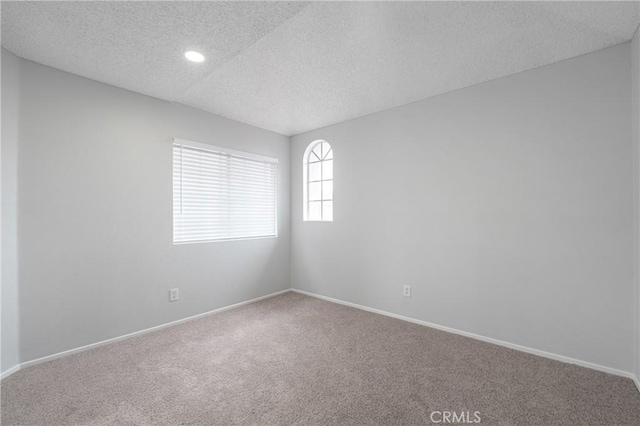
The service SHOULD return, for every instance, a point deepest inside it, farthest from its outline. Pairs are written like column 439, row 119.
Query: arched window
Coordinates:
column 318, row 182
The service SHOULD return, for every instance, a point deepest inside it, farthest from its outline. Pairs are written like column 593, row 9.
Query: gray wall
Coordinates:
column 635, row 121
column 9, row 355
column 96, row 254
column 507, row 206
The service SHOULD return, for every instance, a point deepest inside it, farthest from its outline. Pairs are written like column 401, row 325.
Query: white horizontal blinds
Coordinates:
column 222, row 196
column 320, row 183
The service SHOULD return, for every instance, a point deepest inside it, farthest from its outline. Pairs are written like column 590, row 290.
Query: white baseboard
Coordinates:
column 138, row 333
column 544, row 354
column 9, row 372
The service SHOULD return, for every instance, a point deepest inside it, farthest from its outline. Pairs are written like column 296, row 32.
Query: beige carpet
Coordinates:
column 293, row 359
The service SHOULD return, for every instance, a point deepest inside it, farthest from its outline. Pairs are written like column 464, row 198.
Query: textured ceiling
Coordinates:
column 291, row 67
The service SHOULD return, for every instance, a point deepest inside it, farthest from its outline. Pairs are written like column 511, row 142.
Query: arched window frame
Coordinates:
column 319, row 154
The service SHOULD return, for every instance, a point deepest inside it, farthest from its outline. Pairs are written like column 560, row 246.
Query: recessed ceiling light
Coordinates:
column 194, row 56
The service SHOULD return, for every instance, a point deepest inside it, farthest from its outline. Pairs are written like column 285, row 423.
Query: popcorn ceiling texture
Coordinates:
column 138, row 45
column 291, row 67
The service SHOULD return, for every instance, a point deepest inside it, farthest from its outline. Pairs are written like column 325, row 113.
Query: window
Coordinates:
column 221, row 194
column 318, row 182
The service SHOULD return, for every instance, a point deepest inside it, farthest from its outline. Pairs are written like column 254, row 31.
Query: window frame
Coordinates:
column 306, row 182
column 229, row 152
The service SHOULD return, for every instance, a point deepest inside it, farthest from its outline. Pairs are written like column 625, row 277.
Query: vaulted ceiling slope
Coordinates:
column 291, row 67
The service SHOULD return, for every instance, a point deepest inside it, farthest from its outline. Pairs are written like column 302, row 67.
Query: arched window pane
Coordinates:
column 315, row 191
column 317, row 152
column 314, row 171
column 315, row 212
column 327, row 169
column 325, row 149
column 329, row 156
column 327, row 210
column 327, row 190
column 318, row 182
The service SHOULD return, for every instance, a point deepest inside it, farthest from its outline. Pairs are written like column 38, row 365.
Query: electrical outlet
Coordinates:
column 173, row 295
column 406, row 291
